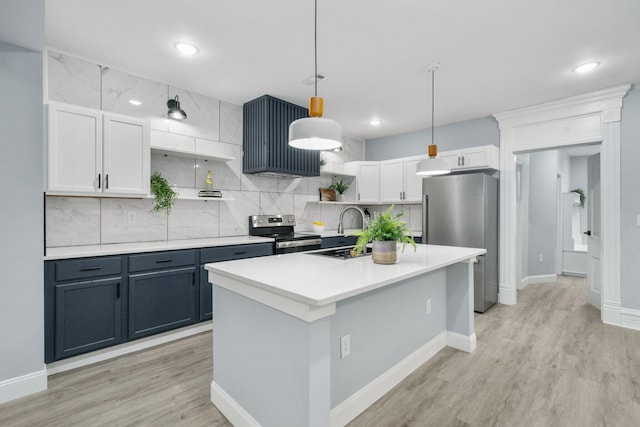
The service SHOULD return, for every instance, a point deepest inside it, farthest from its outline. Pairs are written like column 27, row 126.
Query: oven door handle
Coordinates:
column 298, row 243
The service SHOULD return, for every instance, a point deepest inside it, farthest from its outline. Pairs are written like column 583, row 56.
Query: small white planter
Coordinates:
column 384, row 252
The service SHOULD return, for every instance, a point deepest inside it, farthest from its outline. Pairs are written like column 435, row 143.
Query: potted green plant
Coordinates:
column 165, row 197
column 385, row 230
column 580, row 193
column 340, row 188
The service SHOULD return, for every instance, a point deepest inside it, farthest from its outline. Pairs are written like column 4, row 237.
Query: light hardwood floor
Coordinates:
column 547, row 361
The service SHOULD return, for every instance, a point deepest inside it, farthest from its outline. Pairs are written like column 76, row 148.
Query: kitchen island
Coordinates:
column 306, row 340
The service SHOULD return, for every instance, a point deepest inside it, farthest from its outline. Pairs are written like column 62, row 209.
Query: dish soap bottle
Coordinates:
column 209, row 181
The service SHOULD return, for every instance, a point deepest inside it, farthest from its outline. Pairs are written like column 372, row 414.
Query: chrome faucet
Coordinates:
column 340, row 222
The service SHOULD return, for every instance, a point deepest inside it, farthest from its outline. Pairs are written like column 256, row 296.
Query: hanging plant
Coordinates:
column 580, row 193
column 165, row 197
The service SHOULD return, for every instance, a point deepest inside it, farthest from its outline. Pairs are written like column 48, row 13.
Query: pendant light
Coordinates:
column 433, row 165
column 315, row 132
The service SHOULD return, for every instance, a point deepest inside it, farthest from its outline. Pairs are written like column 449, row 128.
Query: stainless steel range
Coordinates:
column 280, row 228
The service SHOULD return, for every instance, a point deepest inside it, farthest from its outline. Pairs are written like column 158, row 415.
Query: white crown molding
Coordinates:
column 608, row 101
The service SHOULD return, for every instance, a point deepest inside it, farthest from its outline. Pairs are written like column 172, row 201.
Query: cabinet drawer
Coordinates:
column 161, row 260
column 226, row 253
column 337, row 241
column 86, row 268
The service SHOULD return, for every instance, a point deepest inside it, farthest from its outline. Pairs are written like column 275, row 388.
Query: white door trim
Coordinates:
column 586, row 118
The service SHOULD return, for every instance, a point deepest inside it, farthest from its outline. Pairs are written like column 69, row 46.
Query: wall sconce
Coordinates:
column 174, row 109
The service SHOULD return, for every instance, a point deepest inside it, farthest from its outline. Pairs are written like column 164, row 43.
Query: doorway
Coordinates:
column 582, row 119
column 552, row 215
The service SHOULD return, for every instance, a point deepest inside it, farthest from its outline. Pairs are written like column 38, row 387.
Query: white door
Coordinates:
column 126, row 155
column 594, row 249
column 391, row 173
column 412, row 181
column 74, row 150
column 368, row 179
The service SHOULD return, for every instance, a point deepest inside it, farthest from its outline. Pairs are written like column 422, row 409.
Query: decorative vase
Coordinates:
column 384, row 252
column 339, row 197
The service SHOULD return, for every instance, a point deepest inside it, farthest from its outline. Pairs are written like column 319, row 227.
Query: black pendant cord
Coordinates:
column 315, row 46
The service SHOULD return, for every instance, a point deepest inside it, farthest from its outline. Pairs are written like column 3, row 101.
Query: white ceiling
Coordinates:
column 495, row 55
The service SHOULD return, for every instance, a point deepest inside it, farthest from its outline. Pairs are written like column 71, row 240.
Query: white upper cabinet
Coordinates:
column 399, row 182
column 126, row 155
column 95, row 153
column 367, row 180
column 483, row 157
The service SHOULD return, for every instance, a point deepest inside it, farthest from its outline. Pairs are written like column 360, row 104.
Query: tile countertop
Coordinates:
column 328, row 280
column 127, row 248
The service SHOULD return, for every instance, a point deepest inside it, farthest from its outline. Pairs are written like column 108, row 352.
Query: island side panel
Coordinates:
column 274, row 366
column 460, row 324
column 386, row 326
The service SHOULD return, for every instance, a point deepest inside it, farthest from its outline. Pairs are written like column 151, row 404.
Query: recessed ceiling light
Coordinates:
column 186, row 48
column 585, row 68
column 135, row 102
column 375, row 122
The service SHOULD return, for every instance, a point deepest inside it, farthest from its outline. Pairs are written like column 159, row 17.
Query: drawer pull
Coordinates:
column 162, row 261
column 118, row 290
column 94, row 268
column 240, row 253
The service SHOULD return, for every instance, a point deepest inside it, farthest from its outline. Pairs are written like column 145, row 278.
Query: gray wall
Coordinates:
column 472, row 133
column 21, row 172
column 630, row 199
column 543, row 168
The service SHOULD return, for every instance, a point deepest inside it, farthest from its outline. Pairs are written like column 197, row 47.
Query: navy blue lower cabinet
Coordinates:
column 161, row 300
column 88, row 316
column 338, row 241
column 224, row 253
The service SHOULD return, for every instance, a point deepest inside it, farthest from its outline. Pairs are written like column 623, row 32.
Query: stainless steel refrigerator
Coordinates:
column 462, row 210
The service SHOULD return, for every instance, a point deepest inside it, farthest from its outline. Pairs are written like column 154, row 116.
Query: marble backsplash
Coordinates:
column 213, row 126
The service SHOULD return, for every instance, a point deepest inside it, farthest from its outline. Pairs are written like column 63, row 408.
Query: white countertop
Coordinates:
column 317, row 280
column 137, row 247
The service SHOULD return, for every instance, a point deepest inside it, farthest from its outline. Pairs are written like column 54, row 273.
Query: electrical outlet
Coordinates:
column 429, row 306
column 540, row 258
column 638, row 221
column 131, row 217
column 345, row 346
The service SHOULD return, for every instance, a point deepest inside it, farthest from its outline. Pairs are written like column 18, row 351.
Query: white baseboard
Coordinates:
column 630, row 318
column 230, row 408
column 611, row 313
column 24, row 385
column 574, row 273
column 543, row 278
column 126, row 348
column 355, row 404
column 506, row 295
column 462, row 342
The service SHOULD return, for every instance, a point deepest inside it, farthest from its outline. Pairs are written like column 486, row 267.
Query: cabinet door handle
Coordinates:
column 401, row 195
column 99, row 180
column 358, row 196
column 93, row 268
column 106, row 182
column 404, row 196
column 161, row 261
column 240, row 253
column 462, row 160
column 458, row 160
column 118, row 290
column 193, row 279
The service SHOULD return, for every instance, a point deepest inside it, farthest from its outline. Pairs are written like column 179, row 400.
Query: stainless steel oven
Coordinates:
column 281, row 229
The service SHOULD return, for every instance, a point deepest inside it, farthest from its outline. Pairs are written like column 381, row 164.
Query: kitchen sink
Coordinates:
column 340, row 253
